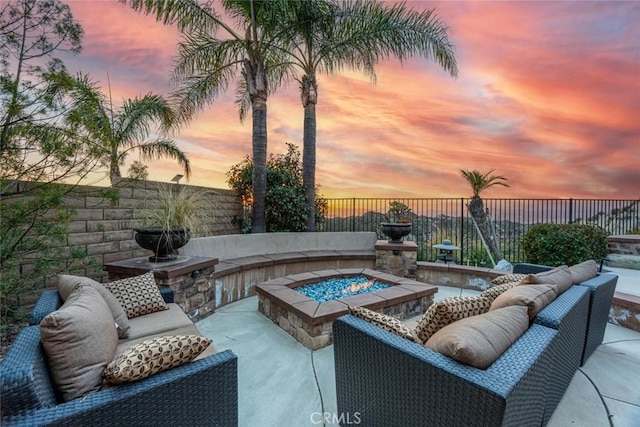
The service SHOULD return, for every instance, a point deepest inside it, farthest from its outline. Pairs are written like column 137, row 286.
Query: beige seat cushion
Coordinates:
column 154, row 355
column 158, row 322
column 583, row 271
column 389, row 323
column 448, row 310
column 559, row 276
column 534, row 297
column 137, row 295
column 79, row 340
column 480, row 340
column 66, row 285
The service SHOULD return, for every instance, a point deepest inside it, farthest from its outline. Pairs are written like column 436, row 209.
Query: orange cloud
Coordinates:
column 547, row 95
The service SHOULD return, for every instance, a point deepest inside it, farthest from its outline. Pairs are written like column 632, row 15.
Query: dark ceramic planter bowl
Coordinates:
column 395, row 231
column 164, row 243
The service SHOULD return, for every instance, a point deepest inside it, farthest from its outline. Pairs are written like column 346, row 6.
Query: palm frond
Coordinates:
column 187, row 15
column 162, row 147
column 481, row 181
column 137, row 116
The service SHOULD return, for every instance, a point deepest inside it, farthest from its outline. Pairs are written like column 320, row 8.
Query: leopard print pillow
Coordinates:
column 448, row 310
column 137, row 295
column 389, row 323
column 154, row 355
column 508, row 278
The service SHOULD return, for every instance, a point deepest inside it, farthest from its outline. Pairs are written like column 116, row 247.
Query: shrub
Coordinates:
column 285, row 204
column 558, row 244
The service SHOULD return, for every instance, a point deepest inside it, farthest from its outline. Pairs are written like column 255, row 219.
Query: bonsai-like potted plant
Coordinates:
column 397, row 222
column 169, row 225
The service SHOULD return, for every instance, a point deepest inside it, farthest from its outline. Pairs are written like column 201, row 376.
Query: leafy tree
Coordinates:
column 138, row 171
column 212, row 55
column 38, row 148
column 118, row 131
column 325, row 36
column 286, row 206
column 479, row 182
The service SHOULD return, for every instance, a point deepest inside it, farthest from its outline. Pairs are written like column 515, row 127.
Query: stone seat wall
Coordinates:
column 246, row 260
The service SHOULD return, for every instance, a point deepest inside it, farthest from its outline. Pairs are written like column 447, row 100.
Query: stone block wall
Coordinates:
column 624, row 251
column 105, row 230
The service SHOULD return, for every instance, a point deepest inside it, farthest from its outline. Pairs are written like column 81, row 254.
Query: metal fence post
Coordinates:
column 570, row 211
column 462, row 230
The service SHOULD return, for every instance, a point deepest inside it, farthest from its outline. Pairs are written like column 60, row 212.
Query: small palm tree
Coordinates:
column 115, row 132
column 479, row 182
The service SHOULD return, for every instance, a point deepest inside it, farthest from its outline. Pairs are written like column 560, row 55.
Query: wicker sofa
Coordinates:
column 389, row 380
column 202, row 392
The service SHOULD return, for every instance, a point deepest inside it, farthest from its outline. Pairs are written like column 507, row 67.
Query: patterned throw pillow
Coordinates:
column 495, row 291
column 446, row 311
column 508, row 278
column 138, row 295
column 389, row 323
column 154, row 355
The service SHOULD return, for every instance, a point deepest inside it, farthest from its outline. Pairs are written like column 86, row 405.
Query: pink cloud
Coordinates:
column 547, row 95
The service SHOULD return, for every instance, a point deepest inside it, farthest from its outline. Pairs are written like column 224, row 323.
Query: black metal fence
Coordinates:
column 437, row 219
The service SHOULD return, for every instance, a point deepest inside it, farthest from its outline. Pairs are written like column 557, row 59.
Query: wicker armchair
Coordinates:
column 200, row 393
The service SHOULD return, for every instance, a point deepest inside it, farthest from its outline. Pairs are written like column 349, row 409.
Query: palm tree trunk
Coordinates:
column 254, row 73
column 309, row 101
column 476, row 208
column 259, row 179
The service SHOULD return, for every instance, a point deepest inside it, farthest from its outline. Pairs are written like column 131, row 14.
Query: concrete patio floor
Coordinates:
column 282, row 383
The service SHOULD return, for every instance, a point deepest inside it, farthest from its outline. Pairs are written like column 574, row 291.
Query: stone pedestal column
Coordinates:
column 191, row 279
column 399, row 259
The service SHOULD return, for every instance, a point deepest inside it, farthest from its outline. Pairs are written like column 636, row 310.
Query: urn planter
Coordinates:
column 395, row 231
column 162, row 241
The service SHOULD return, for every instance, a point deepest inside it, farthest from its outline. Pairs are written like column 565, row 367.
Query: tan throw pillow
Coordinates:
column 138, row 295
column 446, row 311
column 508, row 278
column 559, row 276
column 66, row 285
column 79, row 340
column 534, row 297
column 154, row 355
column 480, row 340
column 583, row 271
column 495, row 291
column 389, row 323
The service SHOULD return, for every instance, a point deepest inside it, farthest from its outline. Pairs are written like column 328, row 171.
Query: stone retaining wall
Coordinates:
column 624, row 251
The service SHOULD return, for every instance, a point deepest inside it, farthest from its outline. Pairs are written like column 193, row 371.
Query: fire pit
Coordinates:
column 286, row 300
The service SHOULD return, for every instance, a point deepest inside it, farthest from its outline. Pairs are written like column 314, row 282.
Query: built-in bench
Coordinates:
column 246, row 260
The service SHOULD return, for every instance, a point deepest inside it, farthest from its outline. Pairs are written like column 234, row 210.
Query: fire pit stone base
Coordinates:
column 310, row 322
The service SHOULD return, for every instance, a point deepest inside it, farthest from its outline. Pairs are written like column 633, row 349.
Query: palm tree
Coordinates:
column 115, row 132
column 326, row 36
column 208, row 63
column 479, row 182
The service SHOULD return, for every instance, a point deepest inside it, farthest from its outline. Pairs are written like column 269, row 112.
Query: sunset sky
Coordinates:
column 548, row 95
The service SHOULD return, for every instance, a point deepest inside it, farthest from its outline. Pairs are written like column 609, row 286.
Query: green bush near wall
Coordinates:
column 558, row 244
